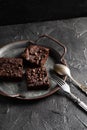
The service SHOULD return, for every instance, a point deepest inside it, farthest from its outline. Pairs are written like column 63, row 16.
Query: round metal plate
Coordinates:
column 19, row 89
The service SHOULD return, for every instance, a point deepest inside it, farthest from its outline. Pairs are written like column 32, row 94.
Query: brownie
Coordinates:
column 36, row 54
column 11, row 68
column 37, row 78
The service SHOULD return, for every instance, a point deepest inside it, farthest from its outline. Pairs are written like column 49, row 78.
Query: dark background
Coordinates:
column 23, row 11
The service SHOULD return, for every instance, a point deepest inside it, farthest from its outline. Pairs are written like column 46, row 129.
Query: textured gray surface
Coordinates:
column 56, row 112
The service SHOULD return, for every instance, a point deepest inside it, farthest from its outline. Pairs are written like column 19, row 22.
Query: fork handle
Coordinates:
column 79, row 102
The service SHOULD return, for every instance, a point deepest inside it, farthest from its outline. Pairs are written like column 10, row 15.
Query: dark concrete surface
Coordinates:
column 56, row 112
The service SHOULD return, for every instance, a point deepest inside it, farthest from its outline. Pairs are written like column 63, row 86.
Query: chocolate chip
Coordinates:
column 40, row 79
column 33, row 70
column 36, row 54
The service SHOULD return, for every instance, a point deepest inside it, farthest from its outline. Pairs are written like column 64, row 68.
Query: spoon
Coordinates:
column 64, row 70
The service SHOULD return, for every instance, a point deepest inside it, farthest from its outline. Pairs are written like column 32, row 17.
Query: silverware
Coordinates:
column 64, row 70
column 66, row 88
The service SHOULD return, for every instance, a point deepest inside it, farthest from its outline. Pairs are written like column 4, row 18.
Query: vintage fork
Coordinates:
column 66, row 88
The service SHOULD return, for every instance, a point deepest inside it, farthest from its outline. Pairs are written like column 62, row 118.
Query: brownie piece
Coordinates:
column 11, row 68
column 36, row 54
column 37, row 78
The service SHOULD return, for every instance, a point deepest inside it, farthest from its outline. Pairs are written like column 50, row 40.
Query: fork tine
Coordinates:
column 58, row 82
column 58, row 79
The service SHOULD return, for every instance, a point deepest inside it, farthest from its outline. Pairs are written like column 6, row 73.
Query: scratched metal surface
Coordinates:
column 56, row 112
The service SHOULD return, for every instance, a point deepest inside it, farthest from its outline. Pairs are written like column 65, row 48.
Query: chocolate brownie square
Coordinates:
column 37, row 78
column 11, row 68
column 36, row 54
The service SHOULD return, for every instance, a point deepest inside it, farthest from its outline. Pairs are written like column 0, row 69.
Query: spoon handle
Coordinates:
column 79, row 102
column 82, row 87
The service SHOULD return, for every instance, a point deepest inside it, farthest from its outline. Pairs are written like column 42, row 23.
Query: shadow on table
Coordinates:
column 14, row 101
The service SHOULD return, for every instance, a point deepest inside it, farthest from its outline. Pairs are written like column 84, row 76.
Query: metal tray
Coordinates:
column 19, row 90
